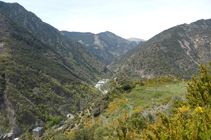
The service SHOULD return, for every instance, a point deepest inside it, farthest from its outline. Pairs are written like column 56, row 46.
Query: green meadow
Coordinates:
column 142, row 96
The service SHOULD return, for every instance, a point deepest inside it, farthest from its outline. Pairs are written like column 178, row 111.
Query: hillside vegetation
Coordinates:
column 70, row 55
column 176, row 51
column 39, row 83
column 183, row 115
column 45, row 75
column 105, row 46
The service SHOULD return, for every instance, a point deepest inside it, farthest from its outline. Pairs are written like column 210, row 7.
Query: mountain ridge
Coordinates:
column 176, row 51
column 106, row 46
column 73, row 53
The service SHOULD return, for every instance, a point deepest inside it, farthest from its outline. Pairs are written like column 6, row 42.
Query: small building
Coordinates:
column 101, row 82
column 70, row 116
column 37, row 132
column 115, row 79
column 9, row 136
column 97, row 85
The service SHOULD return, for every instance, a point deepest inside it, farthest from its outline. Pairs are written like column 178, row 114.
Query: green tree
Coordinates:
column 126, row 87
column 86, row 133
column 199, row 89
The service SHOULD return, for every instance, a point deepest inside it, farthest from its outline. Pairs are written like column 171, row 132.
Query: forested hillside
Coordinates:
column 41, row 81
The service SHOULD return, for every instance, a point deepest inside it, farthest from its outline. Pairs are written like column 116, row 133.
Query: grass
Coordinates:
column 178, row 88
column 147, row 96
column 141, row 96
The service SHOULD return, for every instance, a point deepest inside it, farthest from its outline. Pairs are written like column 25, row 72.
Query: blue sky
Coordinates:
column 126, row 18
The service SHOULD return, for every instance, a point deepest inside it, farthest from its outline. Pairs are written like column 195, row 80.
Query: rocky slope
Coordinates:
column 105, row 46
column 177, row 51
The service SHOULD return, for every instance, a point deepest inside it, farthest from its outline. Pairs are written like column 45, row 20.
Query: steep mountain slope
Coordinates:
column 178, row 51
column 28, row 95
column 43, row 74
column 105, row 46
column 73, row 56
column 141, row 46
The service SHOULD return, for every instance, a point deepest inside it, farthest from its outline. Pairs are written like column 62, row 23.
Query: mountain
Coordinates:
column 175, row 51
column 135, row 41
column 105, row 46
column 77, row 60
column 43, row 74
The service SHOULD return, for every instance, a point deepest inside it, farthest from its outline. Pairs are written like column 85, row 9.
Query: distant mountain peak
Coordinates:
column 106, row 46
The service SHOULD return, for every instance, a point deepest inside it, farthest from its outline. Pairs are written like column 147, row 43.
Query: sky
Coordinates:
column 126, row 18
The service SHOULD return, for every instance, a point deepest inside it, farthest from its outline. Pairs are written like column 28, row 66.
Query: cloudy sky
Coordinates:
column 126, row 18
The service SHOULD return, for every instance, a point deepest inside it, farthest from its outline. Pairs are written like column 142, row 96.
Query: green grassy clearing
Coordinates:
column 147, row 96
column 141, row 96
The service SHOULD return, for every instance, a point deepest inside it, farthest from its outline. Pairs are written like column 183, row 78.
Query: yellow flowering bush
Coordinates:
column 195, row 126
column 183, row 109
column 114, row 105
column 191, row 120
column 199, row 89
column 199, row 109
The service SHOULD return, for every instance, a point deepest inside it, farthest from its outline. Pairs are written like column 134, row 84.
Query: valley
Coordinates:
column 75, row 85
column 105, row 46
column 99, row 86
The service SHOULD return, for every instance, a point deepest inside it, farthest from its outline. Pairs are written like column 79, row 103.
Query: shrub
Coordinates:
column 142, row 84
column 96, row 112
column 199, row 89
column 61, row 137
column 122, row 105
column 86, row 133
column 185, row 124
column 55, row 121
column 156, row 94
column 190, row 120
column 101, row 132
column 126, row 87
